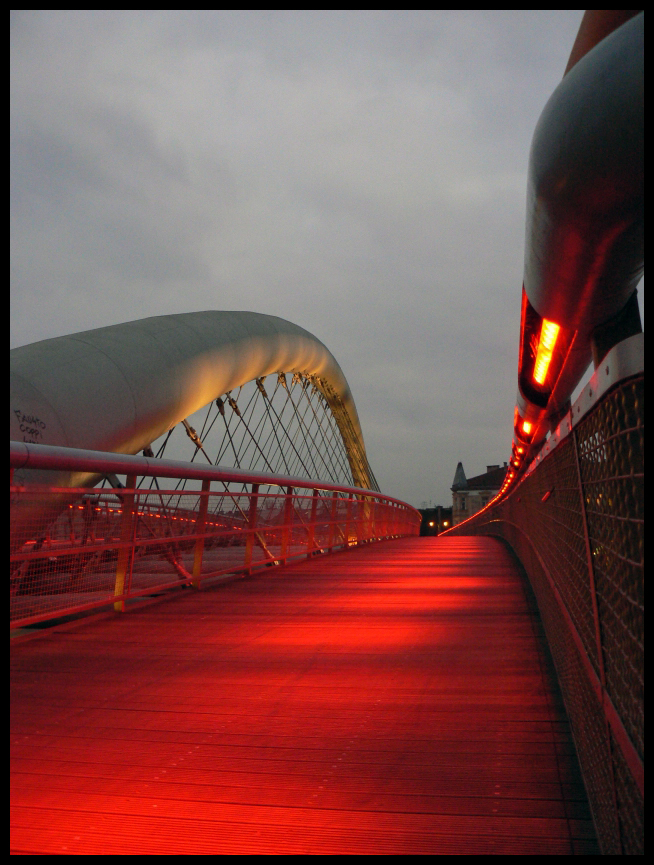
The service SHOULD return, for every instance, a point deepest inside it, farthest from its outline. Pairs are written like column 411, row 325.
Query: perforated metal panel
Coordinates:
column 577, row 525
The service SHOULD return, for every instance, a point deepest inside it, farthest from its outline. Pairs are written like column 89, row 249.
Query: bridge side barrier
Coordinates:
column 576, row 524
column 74, row 549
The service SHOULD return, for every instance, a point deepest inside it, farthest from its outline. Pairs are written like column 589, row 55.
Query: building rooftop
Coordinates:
column 491, row 480
column 459, row 482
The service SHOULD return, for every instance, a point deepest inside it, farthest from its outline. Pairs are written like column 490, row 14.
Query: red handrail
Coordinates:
column 118, row 544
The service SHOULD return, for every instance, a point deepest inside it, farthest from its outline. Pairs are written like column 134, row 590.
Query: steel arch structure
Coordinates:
column 120, row 388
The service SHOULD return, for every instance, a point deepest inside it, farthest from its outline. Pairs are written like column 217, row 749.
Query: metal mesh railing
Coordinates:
column 576, row 523
column 75, row 549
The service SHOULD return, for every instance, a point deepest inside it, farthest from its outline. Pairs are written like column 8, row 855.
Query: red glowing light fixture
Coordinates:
column 548, row 336
column 526, row 427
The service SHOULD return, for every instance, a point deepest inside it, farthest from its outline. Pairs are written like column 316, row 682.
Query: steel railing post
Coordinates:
column 311, row 534
column 359, row 519
column 200, row 526
column 332, row 521
column 348, row 519
column 125, row 553
column 252, row 523
column 287, row 528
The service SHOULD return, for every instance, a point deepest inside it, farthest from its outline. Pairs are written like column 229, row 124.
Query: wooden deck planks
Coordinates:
column 393, row 699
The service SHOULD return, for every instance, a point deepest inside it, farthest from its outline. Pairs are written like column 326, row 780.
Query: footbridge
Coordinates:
column 228, row 640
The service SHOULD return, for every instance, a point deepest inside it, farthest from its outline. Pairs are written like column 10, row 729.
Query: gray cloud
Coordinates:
column 359, row 173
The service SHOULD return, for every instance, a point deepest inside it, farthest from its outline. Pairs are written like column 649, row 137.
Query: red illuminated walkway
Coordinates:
column 394, row 699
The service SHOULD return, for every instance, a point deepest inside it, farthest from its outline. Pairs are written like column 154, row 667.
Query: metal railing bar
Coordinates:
column 24, row 455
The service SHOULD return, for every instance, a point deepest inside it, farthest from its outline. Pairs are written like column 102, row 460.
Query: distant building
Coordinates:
column 470, row 495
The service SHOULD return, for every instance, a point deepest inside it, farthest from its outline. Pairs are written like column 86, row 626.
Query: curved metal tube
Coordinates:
column 584, row 241
column 119, row 388
column 584, row 247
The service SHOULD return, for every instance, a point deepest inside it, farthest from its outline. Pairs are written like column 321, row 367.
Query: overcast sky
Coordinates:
column 362, row 174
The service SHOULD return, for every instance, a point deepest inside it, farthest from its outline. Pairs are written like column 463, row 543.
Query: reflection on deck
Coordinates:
column 394, row 699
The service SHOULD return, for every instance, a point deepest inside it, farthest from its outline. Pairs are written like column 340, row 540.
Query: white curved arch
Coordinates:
column 119, row 388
